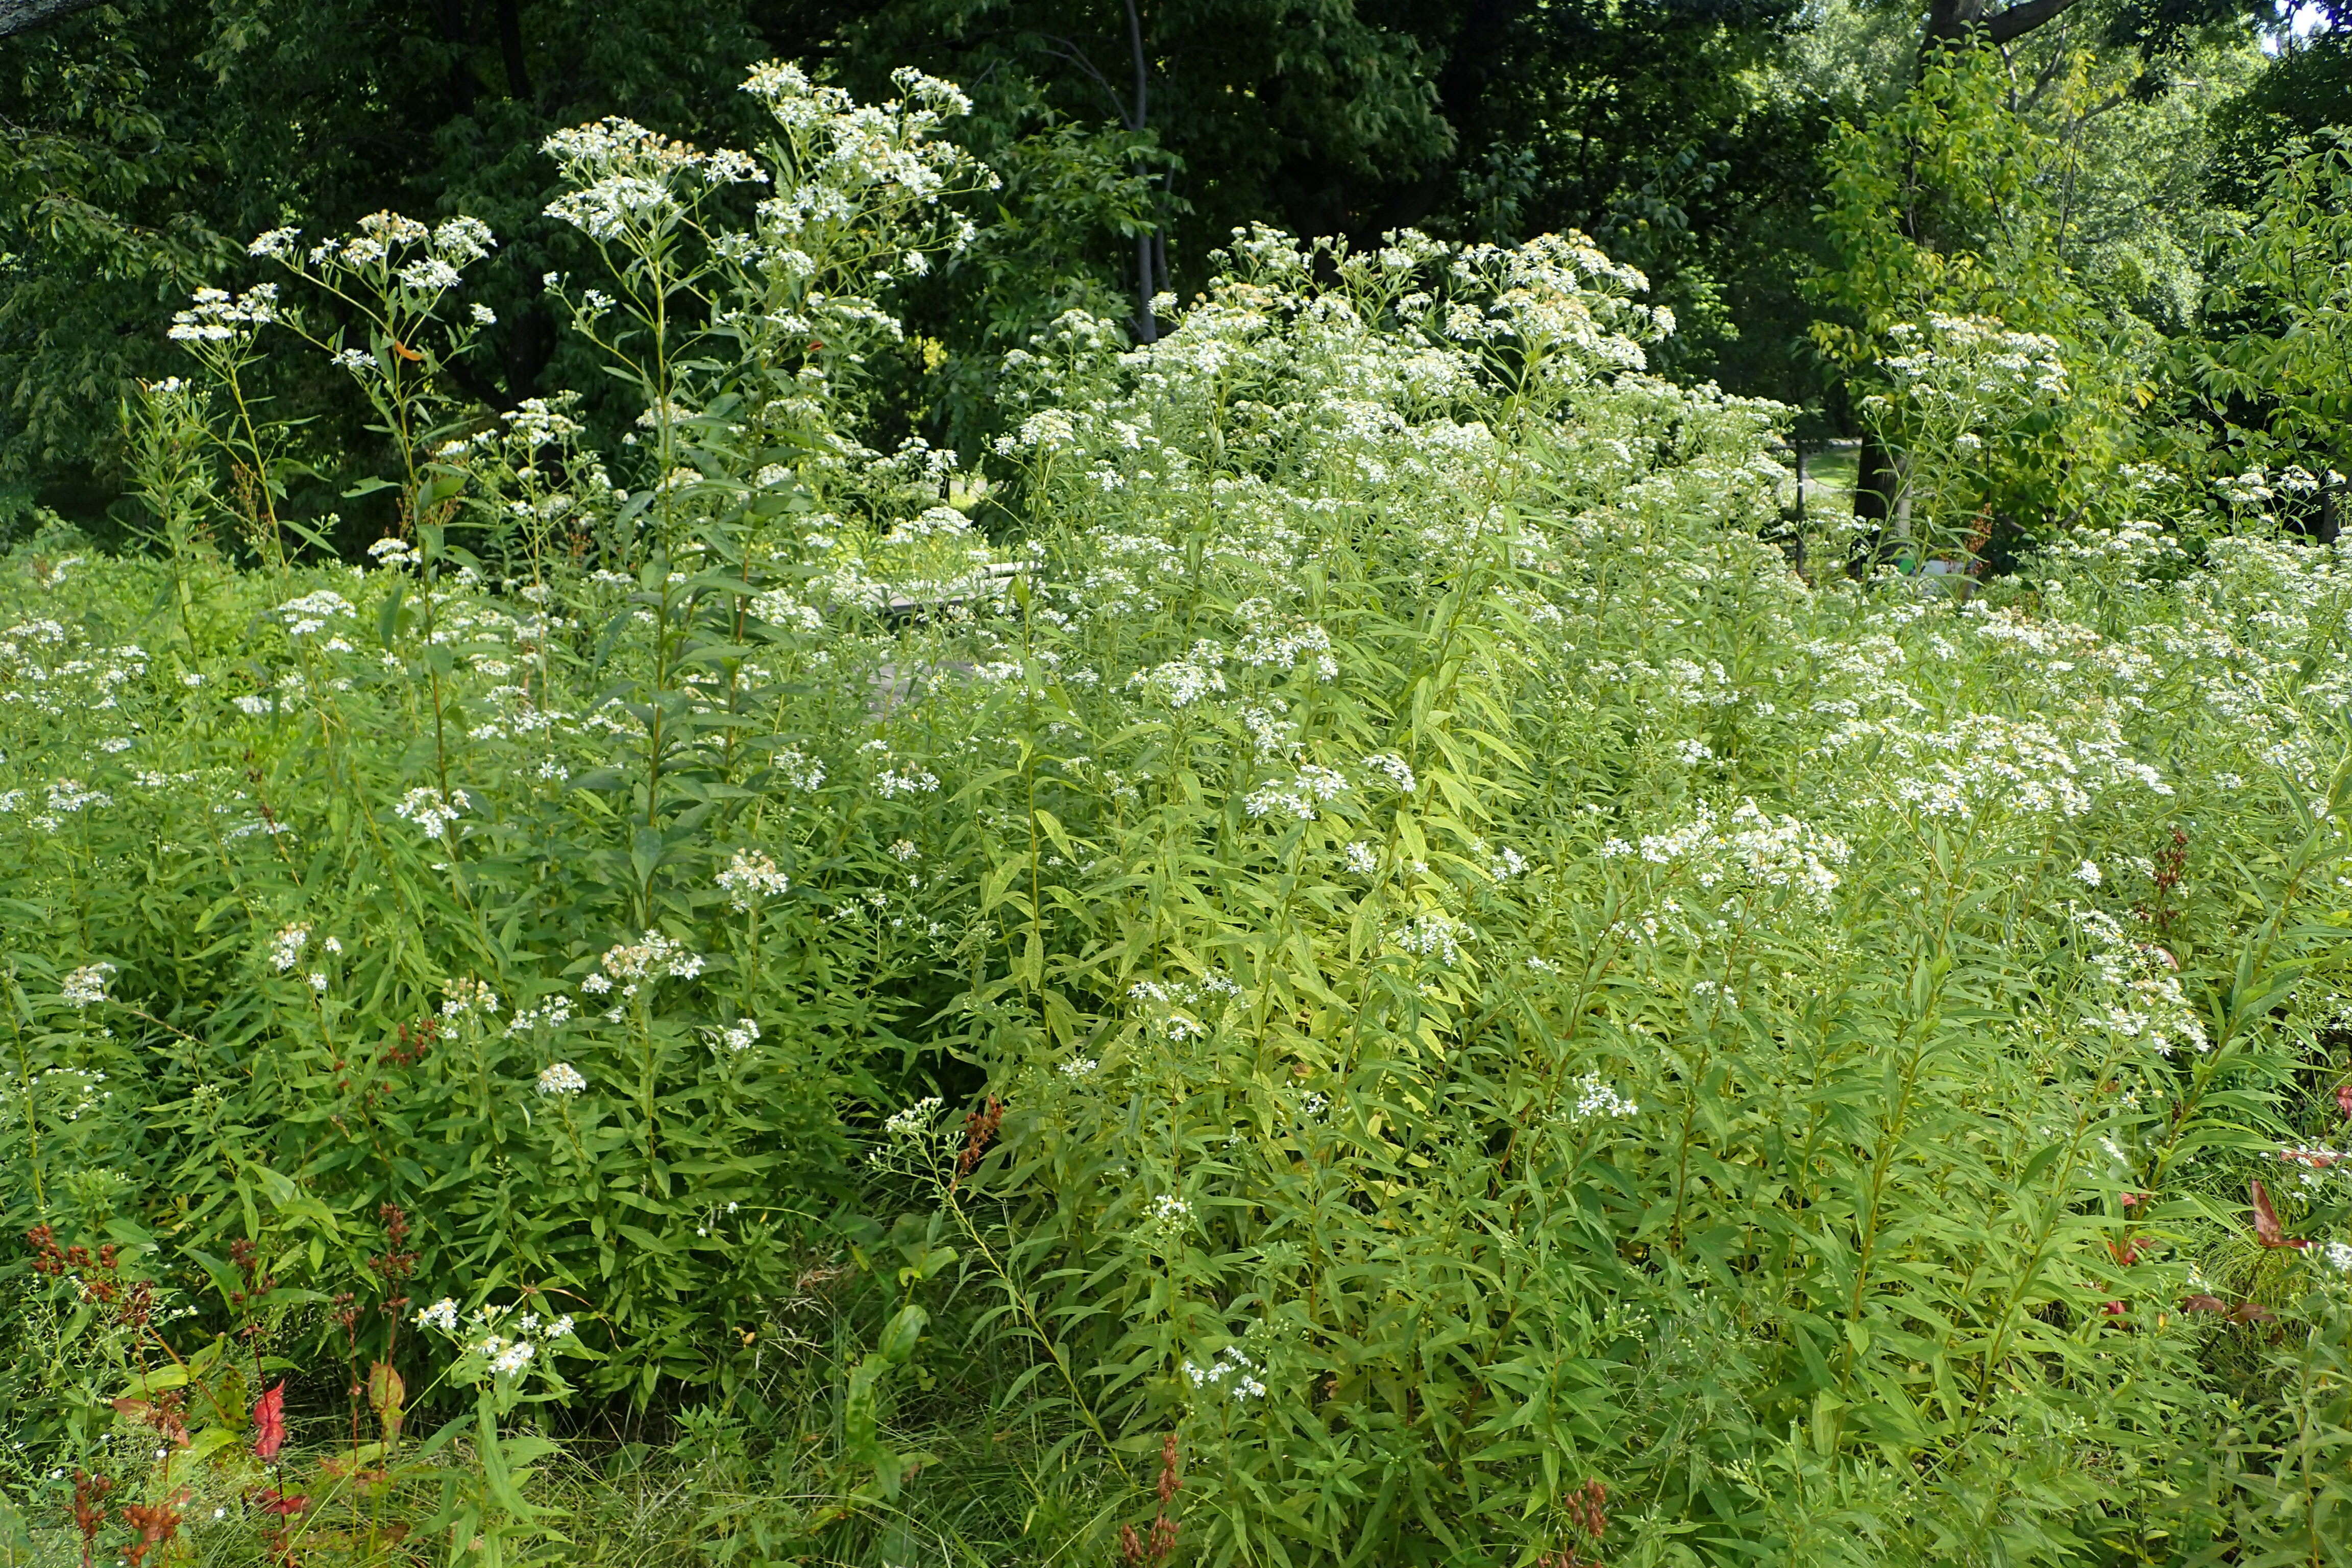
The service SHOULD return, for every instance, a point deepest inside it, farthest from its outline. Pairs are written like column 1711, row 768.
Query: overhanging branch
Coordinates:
column 1965, row 21
column 22, row 15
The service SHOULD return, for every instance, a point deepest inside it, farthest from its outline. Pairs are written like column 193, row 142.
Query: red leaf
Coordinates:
column 2250, row 1312
column 2344, row 1097
column 2112, row 1308
column 2204, row 1304
column 2267, row 1229
column 278, row 1503
column 269, row 1424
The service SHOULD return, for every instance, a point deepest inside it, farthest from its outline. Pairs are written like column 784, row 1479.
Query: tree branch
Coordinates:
column 22, row 15
column 1964, row 21
column 2019, row 20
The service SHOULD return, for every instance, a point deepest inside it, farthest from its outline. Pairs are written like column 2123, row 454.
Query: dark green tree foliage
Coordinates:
column 150, row 141
column 103, row 167
column 2308, row 88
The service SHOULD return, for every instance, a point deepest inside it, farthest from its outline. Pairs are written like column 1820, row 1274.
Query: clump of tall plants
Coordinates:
column 1321, row 956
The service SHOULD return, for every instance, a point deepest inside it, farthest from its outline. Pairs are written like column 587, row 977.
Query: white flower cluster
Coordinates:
column 1751, row 850
column 1227, row 1367
column 2140, row 997
column 635, row 964
column 1970, row 359
column 311, row 612
column 1181, row 682
column 1297, row 797
column 468, row 996
column 798, row 769
column 213, row 316
column 286, row 948
column 561, row 1077
column 1432, row 935
column 429, row 809
column 905, row 779
column 1594, row 1098
column 551, row 1014
column 1178, row 1007
column 749, row 877
column 1988, row 764
column 86, row 986
column 628, row 178
column 914, row 1121
column 780, row 607
column 504, row 1357
column 41, row 669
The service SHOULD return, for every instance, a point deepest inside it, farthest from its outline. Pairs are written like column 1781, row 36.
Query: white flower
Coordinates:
column 1078, row 1066
column 798, row 769
column 906, row 780
column 561, row 1077
column 442, row 1315
column 750, row 875
column 913, row 1122
column 1394, row 768
column 287, row 947
column 1295, row 798
column 2087, row 873
column 635, row 962
column 484, row 316
column 1361, row 857
column 468, row 995
column 553, row 1013
column 1432, row 935
column 2338, row 1254
column 86, row 986
column 1595, row 1098
column 1229, row 1366
column 429, row 275
column 506, row 1358
column 429, row 809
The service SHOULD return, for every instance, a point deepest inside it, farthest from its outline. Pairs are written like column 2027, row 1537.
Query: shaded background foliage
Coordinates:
column 147, row 139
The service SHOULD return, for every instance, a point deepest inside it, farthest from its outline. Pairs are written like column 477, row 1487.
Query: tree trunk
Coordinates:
column 1874, row 487
column 510, row 48
column 1146, row 328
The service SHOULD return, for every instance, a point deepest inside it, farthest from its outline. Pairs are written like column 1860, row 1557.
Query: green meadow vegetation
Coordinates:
column 1339, row 941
